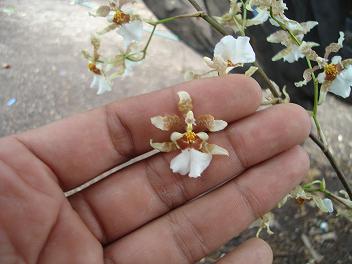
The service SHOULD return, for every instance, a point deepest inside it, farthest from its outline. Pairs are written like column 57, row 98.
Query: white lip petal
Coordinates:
column 225, row 47
column 244, row 52
column 235, row 50
column 181, row 163
column 341, row 87
column 94, row 82
column 199, row 162
column 132, row 31
column 104, row 86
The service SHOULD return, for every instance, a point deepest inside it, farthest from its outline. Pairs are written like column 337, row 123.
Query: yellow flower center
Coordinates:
column 190, row 136
column 230, row 64
column 93, row 68
column 331, row 71
column 121, row 18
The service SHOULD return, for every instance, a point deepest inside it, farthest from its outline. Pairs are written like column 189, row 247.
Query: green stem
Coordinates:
column 170, row 19
column 315, row 81
column 333, row 163
column 244, row 15
column 148, row 42
column 158, row 22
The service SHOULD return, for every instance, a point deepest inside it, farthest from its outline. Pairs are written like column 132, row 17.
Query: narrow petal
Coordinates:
column 260, row 18
column 208, row 122
column 176, row 136
column 203, row 136
column 185, row 102
column 214, row 149
column 199, row 162
column 166, row 123
column 181, row 163
column 164, row 146
column 104, row 85
column 294, row 55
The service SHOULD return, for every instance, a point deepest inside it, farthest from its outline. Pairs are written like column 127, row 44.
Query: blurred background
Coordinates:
column 43, row 78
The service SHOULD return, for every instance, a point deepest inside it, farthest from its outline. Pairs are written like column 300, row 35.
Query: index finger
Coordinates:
column 81, row 147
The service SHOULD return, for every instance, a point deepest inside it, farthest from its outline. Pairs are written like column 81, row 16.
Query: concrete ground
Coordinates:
column 44, row 77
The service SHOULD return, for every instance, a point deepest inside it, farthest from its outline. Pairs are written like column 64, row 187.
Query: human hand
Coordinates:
column 145, row 213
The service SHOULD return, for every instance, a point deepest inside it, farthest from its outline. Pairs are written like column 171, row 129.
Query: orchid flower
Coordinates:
column 278, row 7
column 292, row 52
column 229, row 53
column 121, row 17
column 336, row 76
column 100, row 82
column 196, row 153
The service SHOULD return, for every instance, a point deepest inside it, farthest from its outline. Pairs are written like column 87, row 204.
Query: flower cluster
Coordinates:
column 123, row 19
column 196, row 153
column 336, row 75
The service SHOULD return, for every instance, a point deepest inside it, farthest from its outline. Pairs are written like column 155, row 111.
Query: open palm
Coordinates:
column 145, row 213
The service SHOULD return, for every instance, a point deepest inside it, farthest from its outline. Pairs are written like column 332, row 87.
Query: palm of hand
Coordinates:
column 144, row 213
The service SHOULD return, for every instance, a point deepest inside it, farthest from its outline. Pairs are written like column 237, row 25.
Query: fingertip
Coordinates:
column 253, row 251
column 302, row 158
column 302, row 118
column 263, row 251
column 249, row 85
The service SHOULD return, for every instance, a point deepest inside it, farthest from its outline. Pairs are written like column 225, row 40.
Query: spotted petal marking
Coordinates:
column 185, row 103
column 167, row 122
column 164, row 146
column 209, row 122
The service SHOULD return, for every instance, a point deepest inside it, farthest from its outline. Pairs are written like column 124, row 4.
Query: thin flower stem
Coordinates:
column 212, row 22
column 169, row 19
column 163, row 21
column 333, row 163
column 244, row 4
column 315, row 81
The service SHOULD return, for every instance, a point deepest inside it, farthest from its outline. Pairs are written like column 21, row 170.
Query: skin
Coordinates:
column 144, row 213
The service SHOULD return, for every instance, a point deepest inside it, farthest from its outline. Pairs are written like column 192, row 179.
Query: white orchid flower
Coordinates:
column 122, row 16
column 196, row 153
column 100, row 82
column 231, row 52
column 336, row 78
column 131, row 32
column 337, row 75
column 292, row 52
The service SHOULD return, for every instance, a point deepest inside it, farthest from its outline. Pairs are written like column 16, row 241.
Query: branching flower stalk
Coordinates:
column 321, row 142
column 315, row 80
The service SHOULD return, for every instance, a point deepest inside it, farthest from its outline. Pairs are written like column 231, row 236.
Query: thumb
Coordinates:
column 253, row 251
